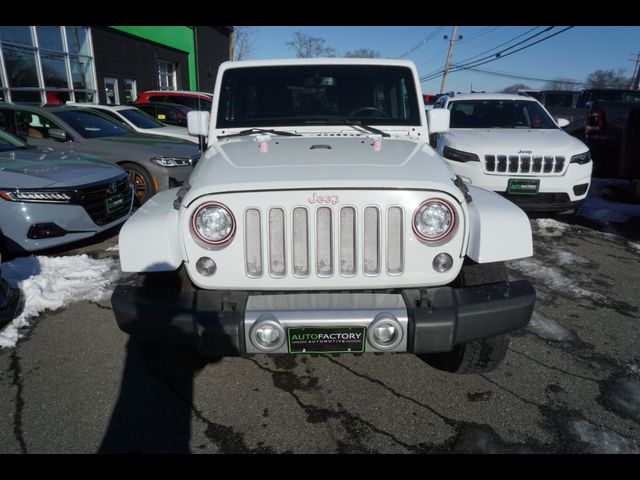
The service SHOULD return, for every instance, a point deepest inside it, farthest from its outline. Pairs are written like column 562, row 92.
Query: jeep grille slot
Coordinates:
column 324, row 241
column 524, row 164
column 395, row 264
column 253, row 243
column 371, row 249
column 348, row 241
column 324, row 247
column 300, row 242
column 277, row 264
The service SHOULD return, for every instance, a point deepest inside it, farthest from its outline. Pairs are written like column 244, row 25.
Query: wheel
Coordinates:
column 143, row 185
column 368, row 109
column 478, row 356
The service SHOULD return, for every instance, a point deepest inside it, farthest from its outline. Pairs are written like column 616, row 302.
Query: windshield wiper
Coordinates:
column 251, row 131
column 353, row 123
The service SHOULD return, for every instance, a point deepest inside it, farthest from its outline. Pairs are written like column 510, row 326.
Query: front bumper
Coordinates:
column 215, row 322
column 544, row 202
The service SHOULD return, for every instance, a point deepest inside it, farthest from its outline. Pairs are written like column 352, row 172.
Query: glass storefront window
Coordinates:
column 54, row 70
column 81, row 72
column 26, row 96
column 130, row 91
column 20, row 65
column 78, row 41
column 20, row 35
column 56, row 97
column 85, row 97
column 49, row 38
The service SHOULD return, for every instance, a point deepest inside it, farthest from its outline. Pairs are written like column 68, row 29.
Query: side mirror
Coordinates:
column 198, row 123
column 58, row 134
column 562, row 122
column 438, row 119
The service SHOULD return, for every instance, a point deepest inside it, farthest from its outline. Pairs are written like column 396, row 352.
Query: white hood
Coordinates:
column 514, row 141
column 319, row 162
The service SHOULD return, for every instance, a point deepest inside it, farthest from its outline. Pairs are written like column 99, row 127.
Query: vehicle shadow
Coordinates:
column 154, row 409
column 153, row 412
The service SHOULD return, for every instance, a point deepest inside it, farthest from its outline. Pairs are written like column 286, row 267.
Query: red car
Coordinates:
column 194, row 100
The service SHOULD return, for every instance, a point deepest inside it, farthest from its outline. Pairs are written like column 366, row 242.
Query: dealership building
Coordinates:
column 55, row 64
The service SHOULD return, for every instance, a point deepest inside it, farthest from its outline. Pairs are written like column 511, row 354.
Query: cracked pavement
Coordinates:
column 570, row 382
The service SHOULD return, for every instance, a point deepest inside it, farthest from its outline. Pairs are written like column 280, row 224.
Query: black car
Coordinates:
column 10, row 299
column 169, row 113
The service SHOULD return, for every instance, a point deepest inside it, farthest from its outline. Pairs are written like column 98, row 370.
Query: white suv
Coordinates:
column 511, row 145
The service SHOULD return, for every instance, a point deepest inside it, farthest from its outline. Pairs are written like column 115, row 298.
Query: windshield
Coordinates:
column 91, row 125
column 499, row 114
column 9, row 142
column 140, row 119
column 298, row 95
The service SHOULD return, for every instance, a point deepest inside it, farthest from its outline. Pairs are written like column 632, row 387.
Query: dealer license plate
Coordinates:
column 518, row 186
column 326, row 339
column 115, row 202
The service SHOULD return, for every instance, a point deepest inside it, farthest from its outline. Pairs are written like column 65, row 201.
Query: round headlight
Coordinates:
column 213, row 223
column 434, row 220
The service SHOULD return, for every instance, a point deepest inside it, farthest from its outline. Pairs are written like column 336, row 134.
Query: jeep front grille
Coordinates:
column 524, row 164
column 324, row 241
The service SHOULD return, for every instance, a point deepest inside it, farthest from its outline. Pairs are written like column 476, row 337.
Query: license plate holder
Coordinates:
column 114, row 202
column 326, row 339
column 520, row 186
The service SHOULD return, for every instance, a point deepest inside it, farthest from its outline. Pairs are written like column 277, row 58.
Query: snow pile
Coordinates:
column 550, row 329
column 553, row 279
column 602, row 440
column 564, row 257
column 548, row 227
column 115, row 248
column 635, row 247
column 601, row 210
column 50, row 283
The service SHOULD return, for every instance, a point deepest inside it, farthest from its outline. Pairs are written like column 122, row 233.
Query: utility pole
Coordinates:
column 446, row 66
column 635, row 80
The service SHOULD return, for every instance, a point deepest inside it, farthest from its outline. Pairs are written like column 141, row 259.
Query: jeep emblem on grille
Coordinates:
column 112, row 188
column 332, row 199
column 529, row 152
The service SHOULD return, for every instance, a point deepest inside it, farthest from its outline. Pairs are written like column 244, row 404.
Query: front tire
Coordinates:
column 143, row 185
column 478, row 356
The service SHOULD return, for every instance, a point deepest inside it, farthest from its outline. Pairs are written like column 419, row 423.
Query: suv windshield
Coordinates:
column 140, row 119
column 9, row 143
column 499, row 114
column 91, row 125
column 298, row 95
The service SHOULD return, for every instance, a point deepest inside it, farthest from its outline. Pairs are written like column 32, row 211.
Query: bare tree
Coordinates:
column 243, row 44
column 308, row 46
column 608, row 79
column 562, row 84
column 362, row 53
column 515, row 87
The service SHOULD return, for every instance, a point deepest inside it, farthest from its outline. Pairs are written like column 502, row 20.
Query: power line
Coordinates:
column 420, row 44
column 492, row 58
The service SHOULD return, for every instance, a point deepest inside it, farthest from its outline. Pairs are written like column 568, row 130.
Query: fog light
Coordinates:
column 385, row 332
column 206, row 266
column 442, row 263
column 267, row 334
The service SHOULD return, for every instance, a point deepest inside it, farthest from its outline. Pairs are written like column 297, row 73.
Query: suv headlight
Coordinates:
column 41, row 196
column 458, row 155
column 172, row 161
column 581, row 158
column 434, row 220
column 213, row 223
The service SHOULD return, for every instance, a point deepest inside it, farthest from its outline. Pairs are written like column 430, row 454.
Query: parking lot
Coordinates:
column 570, row 382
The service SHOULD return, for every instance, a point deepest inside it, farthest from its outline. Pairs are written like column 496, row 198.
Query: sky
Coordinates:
column 572, row 54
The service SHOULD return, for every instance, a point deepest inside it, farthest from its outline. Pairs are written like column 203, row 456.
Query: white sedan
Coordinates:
column 140, row 121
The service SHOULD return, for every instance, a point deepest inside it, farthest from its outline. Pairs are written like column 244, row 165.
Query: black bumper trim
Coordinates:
column 213, row 321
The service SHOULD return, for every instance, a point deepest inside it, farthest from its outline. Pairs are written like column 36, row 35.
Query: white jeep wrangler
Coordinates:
column 320, row 220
